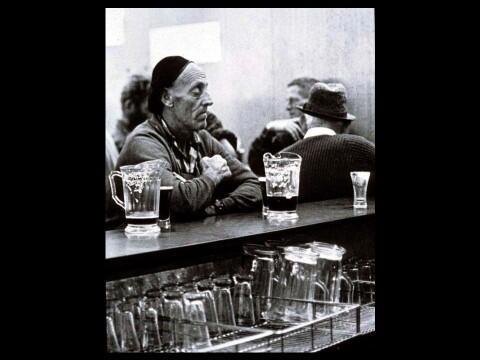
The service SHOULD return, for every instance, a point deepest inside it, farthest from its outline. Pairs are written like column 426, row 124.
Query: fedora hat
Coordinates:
column 327, row 100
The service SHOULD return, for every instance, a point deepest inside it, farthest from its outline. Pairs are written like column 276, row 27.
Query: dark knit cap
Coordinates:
column 164, row 75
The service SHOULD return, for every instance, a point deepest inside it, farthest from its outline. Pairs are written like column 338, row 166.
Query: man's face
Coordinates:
column 294, row 99
column 190, row 98
column 140, row 112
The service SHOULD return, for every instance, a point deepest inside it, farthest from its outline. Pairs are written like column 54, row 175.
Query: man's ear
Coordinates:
column 167, row 99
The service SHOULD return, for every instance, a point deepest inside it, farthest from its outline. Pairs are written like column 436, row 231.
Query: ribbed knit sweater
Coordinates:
column 327, row 162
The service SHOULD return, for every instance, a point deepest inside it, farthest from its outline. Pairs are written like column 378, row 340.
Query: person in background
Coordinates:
column 134, row 108
column 278, row 134
column 111, row 155
column 328, row 155
column 207, row 180
column 228, row 139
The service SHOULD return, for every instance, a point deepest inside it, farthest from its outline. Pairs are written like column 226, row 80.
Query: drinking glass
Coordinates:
column 282, row 173
column 362, row 274
column 136, row 306
column 352, row 272
column 129, row 341
column 154, row 300
column 172, row 327
column 360, row 183
column 205, row 288
column 151, row 341
column 365, row 271
column 367, row 283
column 114, row 302
column 164, row 216
column 223, row 300
column 141, row 192
column 112, row 340
column 243, row 300
column 195, row 334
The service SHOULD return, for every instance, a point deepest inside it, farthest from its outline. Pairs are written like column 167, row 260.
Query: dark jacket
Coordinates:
column 271, row 141
column 327, row 162
column 216, row 129
column 240, row 192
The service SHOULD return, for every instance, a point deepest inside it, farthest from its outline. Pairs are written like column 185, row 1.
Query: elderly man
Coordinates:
column 278, row 134
column 328, row 154
column 206, row 179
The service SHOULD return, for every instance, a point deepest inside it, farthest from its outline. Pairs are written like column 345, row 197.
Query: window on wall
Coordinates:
column 114, row 26
column 198, row 42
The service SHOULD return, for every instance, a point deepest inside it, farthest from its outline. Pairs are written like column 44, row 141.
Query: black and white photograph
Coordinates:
column 239, row 179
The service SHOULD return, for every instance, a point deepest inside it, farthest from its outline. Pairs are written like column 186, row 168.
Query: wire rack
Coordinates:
column 331, row 324
column 221, row 337
column 346, row 321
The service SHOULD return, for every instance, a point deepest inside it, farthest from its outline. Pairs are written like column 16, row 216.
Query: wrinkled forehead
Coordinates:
column 190, row 75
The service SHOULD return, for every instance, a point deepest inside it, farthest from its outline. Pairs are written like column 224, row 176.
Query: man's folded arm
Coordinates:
column 246, row 193
column 189, row 197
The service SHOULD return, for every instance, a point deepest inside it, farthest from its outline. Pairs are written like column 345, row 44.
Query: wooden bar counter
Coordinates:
column 221, row 237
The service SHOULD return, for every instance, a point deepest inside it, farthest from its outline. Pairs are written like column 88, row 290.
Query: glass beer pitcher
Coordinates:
column 264, row 276
column 141, row 192
column 297, row 281
column 282, row 173
column 329, row 272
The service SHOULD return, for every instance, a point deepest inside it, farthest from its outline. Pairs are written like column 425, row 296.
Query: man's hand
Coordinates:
column 210, row 211
column 215, row 168
column 288, row 125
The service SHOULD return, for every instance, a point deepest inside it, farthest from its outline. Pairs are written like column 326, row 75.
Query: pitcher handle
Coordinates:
column 111, row 176
column 247, row 249
column 349, row 282
column 324, row 289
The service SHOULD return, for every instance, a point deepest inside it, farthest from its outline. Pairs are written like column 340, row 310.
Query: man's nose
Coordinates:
column 207, row 100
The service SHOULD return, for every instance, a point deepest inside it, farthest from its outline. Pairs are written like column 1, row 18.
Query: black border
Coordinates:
column 61, row 263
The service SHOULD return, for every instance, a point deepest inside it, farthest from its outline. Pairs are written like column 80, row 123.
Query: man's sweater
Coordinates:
column 240, row 192
column 327, row 162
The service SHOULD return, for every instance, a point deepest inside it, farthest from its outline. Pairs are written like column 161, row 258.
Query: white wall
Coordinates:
column 262, row 50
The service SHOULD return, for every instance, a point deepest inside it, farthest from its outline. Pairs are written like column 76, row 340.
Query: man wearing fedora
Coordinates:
column 278, row 134
column 206, row 179
column 328, row 154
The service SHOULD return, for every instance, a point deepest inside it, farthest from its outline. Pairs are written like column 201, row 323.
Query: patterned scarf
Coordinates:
column 189, row 162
